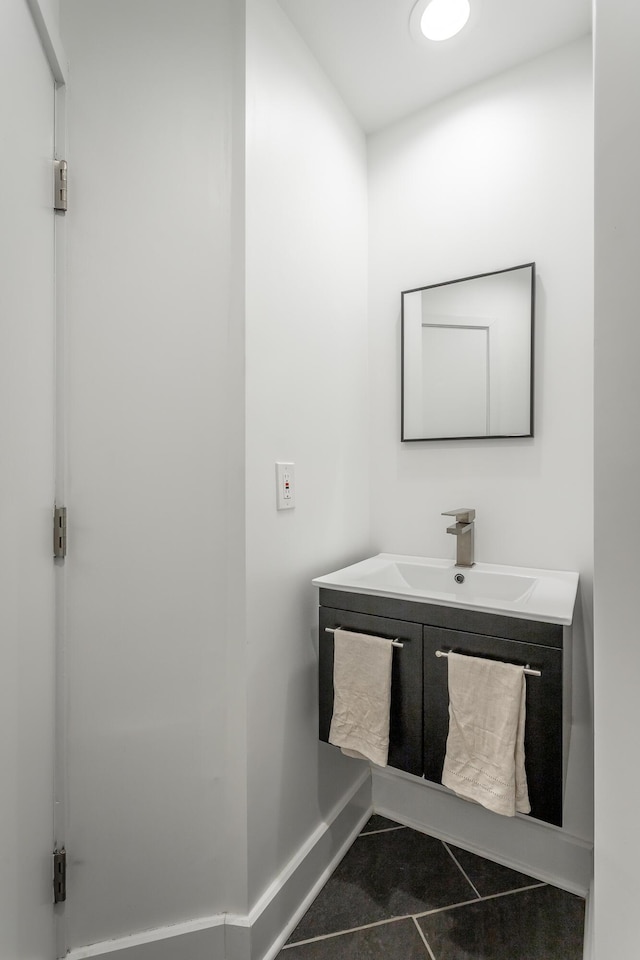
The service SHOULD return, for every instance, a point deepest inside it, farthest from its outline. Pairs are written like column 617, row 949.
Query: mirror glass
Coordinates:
column 467, row 357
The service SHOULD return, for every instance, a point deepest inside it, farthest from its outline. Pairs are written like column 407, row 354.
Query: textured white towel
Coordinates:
column 485, row 746
column 361, row 695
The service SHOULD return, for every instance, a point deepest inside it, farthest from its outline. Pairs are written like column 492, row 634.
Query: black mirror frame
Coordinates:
column 478, row 276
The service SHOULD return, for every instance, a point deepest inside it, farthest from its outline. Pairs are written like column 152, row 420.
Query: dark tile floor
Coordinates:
column 400, row 895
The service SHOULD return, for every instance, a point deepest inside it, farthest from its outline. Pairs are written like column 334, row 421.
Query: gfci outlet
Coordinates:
column 285, row 486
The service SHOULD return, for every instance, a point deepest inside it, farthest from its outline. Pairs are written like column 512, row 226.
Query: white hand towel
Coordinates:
column 362, row 695
column 485, row 746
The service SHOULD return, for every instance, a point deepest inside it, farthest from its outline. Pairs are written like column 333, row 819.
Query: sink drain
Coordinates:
column 459, row 578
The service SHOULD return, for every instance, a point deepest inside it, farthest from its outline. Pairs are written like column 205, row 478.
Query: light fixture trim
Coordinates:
column 439, row 20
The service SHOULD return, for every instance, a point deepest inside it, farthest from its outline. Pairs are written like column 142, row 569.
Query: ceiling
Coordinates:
column 384, row 74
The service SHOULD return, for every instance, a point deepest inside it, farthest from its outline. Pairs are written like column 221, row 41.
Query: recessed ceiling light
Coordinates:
column 439, row 19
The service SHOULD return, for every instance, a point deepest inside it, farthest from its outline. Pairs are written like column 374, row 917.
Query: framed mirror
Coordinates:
column 467, row 357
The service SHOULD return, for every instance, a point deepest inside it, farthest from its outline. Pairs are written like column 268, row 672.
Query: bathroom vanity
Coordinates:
column 370, row 598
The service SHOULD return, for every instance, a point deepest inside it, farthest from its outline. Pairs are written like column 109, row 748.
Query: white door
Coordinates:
column 26, row 488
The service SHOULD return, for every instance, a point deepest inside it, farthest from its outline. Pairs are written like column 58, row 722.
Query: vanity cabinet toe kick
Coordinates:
column 419, row 718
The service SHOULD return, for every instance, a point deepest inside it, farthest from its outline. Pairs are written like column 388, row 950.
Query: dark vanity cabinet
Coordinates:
column 419, row 692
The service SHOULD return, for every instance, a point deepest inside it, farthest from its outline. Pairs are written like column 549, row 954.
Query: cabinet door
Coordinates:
column 405, row 728
column 543, row 730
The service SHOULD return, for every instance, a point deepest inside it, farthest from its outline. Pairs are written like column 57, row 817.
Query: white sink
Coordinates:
column 532, row 594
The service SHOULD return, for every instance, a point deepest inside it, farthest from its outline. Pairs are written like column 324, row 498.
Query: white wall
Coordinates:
column 51, row 10
column 153, row 396
column 195, row 773
column 306, row 381
column 617, row 460
column 499, row 175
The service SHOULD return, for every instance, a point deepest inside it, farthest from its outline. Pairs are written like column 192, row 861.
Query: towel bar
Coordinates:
column 394, row 643
column 529, row 672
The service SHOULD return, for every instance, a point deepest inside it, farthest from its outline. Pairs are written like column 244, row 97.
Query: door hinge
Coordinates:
column 59, row 876
column 60, row 185
column 60, row 533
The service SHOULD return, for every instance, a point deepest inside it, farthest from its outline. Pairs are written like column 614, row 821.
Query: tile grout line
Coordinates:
column 462, row 870
column 449, row 906
column 490, row 896
column 412, row 916
column 424, row 939
column 510, row 893
column 340, row 933
column 371, row 833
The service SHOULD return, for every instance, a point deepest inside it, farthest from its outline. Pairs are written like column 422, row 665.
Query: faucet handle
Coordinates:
column 462, row 514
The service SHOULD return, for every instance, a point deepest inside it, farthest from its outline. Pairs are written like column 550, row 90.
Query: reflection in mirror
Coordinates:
column 467, row 357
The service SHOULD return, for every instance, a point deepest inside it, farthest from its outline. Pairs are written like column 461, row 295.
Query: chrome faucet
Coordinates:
column 462, row 529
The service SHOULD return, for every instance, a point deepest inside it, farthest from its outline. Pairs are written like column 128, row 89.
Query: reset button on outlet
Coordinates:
column 285, row 486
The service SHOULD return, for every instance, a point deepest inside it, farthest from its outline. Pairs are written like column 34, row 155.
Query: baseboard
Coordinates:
column 525, row 845
column 202, row 939
column 589, row 945
column 261, row 934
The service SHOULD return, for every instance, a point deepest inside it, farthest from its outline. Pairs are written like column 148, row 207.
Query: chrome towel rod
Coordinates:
column 529, row 672
column 394, row 643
